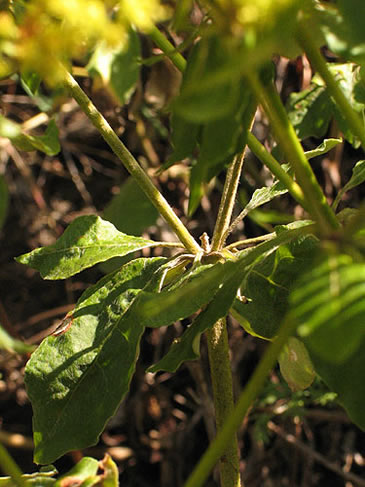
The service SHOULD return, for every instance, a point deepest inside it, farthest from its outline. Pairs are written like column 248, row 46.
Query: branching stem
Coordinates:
column 130, row 164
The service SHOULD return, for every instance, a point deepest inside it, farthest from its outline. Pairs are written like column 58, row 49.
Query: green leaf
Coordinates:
column 47, row 143
column 118, row 67
column 44, row 478
column 110, row 477
column 11, row 344
column 323, row 148
column 267, row 286
column 310, row 111
column 358, row 177
column 188, row 346
column 346, row 379
column 264, row 195
column 184, row 135
column 87, row 241
column 4, row 200
column 329, row 304
column 340, row 27
column 221, row 140
column 76, row 380
column 296, row 366
column 81, row 474
column 168, row 306
column 207, row 57
column 118, row 211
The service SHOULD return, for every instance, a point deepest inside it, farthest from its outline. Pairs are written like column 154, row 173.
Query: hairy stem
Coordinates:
column 130, row 164
column 234, row 420
column 221, row 374
column 315, row 200
column 266, row 158
column 305, row 39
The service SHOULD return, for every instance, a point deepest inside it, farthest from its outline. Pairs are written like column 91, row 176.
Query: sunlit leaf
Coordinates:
column 76, row 380
column 323, row 148
column 358, row 177
column 7, row 342
column 87, row 241
column 296, row 366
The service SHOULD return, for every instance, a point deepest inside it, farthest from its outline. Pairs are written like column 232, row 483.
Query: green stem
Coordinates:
column 316, row 202
column 227, row 202
column 9, row 467
column 221, row 374
column 130, row 164
column 165, row 45
column 305, row 39
column 233, row 422
column 266, row 158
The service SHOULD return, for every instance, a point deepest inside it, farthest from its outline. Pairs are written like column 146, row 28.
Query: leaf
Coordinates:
column 4, row 200
column 310, row 111
column 264, row 195
column 76, row 381
column 207, row 57
column 11, row 344
column 296, row 366
column 83, row 473
column 188, row 346
column 357, row 178
column 166, row 307
column 184, row 135
column 323, row 148
column 347, row 380
column 44, row 478
column 118, row 211
column 87, row 241
column 267, row 287
column 221, row 140
column 110, row 477
column 118, row 67
column 336, row 24
column 329, row 304
column 47, row 143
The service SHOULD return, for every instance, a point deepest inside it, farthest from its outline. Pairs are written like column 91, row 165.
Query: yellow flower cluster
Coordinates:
column 48, row 31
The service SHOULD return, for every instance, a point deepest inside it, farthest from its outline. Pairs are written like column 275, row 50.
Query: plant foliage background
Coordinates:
column 166, row 421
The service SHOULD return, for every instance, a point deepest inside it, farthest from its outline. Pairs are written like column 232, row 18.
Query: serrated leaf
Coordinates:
column 76, row 381
column 119, row 66
column 87, row 241
column 4, row 200
column 329, row 304
column 11, row 344
column 296, row 366
column 323, row 148
column 358, row 177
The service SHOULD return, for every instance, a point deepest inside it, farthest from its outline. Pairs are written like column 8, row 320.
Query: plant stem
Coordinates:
column 130, row 164
column 249, row 394
column 221, row 374
column 165, row 45
column 266, row 158
column 9, row 467
column 316, row 201
column 305, row 39
column 227, row 201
